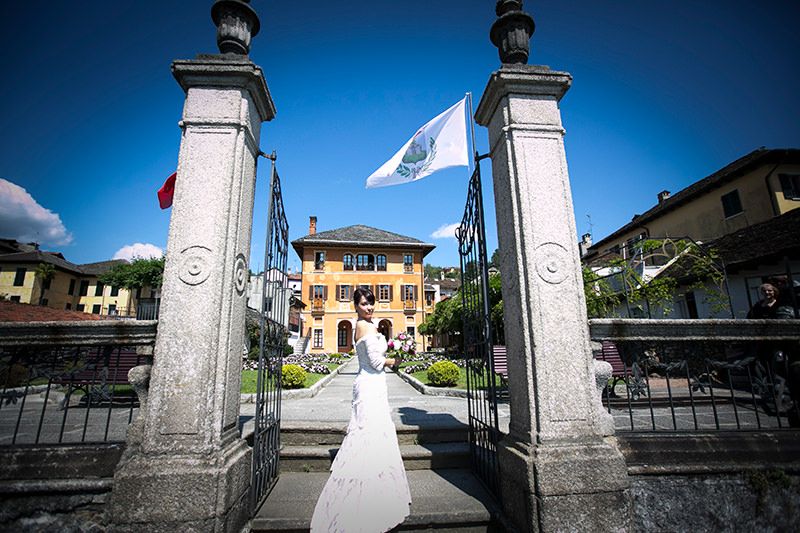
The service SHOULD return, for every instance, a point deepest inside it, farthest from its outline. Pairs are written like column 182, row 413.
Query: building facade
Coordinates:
column 744, row 212
column 72, row 287
column 337, row 262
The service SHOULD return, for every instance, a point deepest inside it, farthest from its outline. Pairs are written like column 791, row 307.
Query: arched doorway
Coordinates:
column 385, row 328
column 344, row 336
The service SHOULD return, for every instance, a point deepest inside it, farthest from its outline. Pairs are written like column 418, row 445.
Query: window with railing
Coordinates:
column 408, row 263
column 347, row 262
column 380, row 262
column 365, row 262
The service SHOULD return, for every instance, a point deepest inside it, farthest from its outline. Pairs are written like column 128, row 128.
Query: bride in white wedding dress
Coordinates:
column 367, row 491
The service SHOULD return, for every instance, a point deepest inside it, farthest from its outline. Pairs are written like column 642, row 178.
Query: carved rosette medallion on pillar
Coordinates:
column 191, row 471
column 559, row 470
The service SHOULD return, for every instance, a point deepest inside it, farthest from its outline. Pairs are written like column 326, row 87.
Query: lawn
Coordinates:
column 249, row 378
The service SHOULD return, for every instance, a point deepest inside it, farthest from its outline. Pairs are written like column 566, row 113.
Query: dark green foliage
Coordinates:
column 288, row 350
column 292, row 377
column 135, row 275
column 443, row 374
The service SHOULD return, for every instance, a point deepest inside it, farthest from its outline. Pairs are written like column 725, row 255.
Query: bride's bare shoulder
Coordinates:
column 364, row 328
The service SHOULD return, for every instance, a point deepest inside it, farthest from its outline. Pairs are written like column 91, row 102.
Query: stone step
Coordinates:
column 304, row 434
column 441, row 500
column 415, row 457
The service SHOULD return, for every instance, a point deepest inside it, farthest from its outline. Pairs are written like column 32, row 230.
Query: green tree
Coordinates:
column 136, row 274
column 432, row 272
column 495, row 260
column 45, row 272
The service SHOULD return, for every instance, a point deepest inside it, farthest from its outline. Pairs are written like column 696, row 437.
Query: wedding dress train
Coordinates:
column 367, row 491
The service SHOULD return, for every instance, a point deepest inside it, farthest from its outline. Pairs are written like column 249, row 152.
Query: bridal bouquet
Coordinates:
column 402, row 345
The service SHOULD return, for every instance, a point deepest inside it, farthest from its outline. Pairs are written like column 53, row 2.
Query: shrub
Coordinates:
column 443, row 374
column 292, row 377
column 288, row 350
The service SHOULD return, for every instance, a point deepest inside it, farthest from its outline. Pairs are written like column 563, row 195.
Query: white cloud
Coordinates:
column 446, row 231
column 138, row 250
column 23, row 219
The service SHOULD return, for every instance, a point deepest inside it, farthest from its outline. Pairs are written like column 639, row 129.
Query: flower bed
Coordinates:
column 316, row 366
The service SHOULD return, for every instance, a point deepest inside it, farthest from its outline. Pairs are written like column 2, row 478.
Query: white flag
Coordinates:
column 439, row 144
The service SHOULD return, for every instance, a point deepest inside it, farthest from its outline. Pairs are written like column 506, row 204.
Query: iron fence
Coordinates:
column 700, row 375
column 67, row 386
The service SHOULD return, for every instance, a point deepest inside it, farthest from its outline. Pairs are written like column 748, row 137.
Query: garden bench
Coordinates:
column 500, row 359
column 610, row 354
column 101, row 371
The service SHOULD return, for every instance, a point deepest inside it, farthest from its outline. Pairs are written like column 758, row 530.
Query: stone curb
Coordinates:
column 294, row 394
column 431, row 391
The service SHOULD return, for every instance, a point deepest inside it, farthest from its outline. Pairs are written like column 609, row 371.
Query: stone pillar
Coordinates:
column 191, row 470
column 558, row 472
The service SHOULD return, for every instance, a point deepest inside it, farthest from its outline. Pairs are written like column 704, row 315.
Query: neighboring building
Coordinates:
column 19, row 312
column 283, row 303
column 755, row 188
column 336, row 262
column 752, row 200
column 73, row 287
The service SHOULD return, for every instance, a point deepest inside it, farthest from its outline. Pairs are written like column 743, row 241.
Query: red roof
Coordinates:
column 19, row 312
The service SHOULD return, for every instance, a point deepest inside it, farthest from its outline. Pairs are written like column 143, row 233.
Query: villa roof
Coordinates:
column 57, row 260
column 39, row 256
column 361, row 236
column 744, row 164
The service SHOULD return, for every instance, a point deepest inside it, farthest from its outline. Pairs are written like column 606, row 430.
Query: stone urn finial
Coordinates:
column 237, row 23
column 512, row 31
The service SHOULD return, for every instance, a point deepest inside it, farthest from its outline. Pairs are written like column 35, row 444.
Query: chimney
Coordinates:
column 663, row 195
column 312, row 225
column 586, row 242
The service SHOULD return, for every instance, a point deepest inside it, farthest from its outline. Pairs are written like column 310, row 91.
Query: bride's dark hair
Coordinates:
column 366, row 293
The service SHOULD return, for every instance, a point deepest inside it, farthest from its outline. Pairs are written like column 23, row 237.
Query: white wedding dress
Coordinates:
column 367, row 491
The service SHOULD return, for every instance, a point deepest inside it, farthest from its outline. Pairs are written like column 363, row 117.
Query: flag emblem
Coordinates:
column 441, row 143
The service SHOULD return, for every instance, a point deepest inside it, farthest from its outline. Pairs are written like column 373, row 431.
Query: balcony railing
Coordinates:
column 409, row 306
column 67, row 382
column 408, row 269
column 317, row 306
column 700, row 375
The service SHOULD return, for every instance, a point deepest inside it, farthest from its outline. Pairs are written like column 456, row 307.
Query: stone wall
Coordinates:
column 62, row 488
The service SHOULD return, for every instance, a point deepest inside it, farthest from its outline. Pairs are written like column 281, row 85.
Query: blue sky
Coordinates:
column 664, row 93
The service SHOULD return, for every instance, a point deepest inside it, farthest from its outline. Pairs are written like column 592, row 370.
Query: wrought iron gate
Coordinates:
column 274, row 321
column 477, row 336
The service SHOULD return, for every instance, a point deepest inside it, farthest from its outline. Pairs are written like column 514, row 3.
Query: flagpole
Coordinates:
column 472, row 132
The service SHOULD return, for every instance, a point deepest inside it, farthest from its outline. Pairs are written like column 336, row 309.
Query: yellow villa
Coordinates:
column 336, row 262
column 72, row 287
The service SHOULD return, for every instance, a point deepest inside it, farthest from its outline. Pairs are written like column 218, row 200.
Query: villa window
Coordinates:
column 408, row 263
column 80, row 308
column 409, row 292
column 318, row 292
column 342, row 336
column 317, row 338
column 46, row 284
column 429, row 297
column 68, row 306
column 112, row 309
column 345, row 293
column 98, row 290
column 384, row 293
column 380, row 261
column 19, row 277
column 365, row 262
column 71, row 290
column 114, row 291
column 14, row 298
column 731, row 203
column 44, row 302
column 790, row 186
column 96, row 309
column 319, row 260
column 410, row 330
column 84, row 288
column 347, row 262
